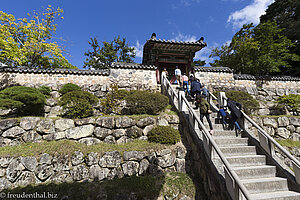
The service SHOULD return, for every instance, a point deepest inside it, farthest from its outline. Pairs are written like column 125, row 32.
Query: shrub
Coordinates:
column 69, row 87
column 144, row 102
column 78, row 104
column 248, row 102
column 26, row 100
column 290, row 102
column 45, row 90
column 164, row 135
column 111, row 102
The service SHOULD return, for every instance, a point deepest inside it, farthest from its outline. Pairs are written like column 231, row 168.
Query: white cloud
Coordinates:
column 249, row 14
column 204, row 53
column 187, row 3
column 184, row 38
column 138, row 49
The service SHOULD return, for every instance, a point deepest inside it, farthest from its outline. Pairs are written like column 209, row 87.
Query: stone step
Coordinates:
column 258, row 185
column 247, row 160
column 238, row 150
column 226, row 141
column 278, row 195
column 263, row 171
column 223, row 133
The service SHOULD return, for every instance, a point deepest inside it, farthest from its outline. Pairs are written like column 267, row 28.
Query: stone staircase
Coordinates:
column 259, row 178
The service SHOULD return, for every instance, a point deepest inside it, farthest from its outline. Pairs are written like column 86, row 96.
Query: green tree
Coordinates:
column 28, row 43
column 198, row 63
column 259, row 50
column 286, row 13
column 116, row 51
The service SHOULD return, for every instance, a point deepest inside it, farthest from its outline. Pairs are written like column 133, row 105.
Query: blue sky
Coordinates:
column 181, row 20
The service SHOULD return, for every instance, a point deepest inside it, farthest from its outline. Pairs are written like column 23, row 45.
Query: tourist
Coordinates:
column 165, row 72
column 204, row 91
column 195, row 87
column 178, row 76
column 185, row 81
column 223, row 114
column 235, row 114
column 204, row 108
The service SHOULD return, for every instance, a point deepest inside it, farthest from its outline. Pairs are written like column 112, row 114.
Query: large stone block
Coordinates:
column 110, row 159
column 98, row 173
column 80, row 132
column 283, row 132
column 283, row 121
column 145, row 122
column 270, row 122
column 14, row 170
column 130, row 168
column 13, row 132
column 7, row 123
column 45, row 126
column 124, row 122
column 106, row 122
column 79, row 172
column 29, row 163
column 29, row 123
column 64, row 124
column 102, row 133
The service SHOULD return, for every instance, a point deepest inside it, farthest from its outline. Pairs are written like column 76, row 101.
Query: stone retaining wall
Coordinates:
column 125, row 75
column 23, row 171
column 113, row 130
column 262, row 88
column 279, row 127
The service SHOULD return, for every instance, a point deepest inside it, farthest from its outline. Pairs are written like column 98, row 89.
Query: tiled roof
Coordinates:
column 213, row 69
column 104, row 72
column 270, row 78
column 132, row 66
column 177, row 42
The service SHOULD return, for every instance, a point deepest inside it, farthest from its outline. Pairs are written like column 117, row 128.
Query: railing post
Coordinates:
column 221, row 99
column 181, row 104
column 207, row 145
column 266, row 144
column 296, row 169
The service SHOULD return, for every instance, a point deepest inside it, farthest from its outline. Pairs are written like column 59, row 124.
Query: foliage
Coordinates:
column 164, row 135
column 45, row 90
column 291, row 102
column 78, row 104
column 114, row 51
column 286, row 13
column 28, row 42
column 144, row 102
column 249, row 104
column 259, row 50
column 198, row 63
column 26, row 100
column 112, row 101
column 69, row 87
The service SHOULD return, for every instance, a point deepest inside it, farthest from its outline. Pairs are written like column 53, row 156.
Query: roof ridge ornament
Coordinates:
column 153, row 36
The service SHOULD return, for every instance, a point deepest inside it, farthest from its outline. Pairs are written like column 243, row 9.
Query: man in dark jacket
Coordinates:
column 235, row 110
column 195, row 87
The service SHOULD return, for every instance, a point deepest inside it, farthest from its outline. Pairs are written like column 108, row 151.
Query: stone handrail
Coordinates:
column 267, row 142
column 231, row 178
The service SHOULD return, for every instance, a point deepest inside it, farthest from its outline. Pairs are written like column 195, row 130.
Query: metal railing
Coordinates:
column 266, row 141
column 234, row 185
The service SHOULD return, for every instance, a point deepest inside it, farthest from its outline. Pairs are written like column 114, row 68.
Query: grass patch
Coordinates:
column 68, row 147
column 170, row 110
column 142, row 187
column 178, row 183
column 289, row 143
